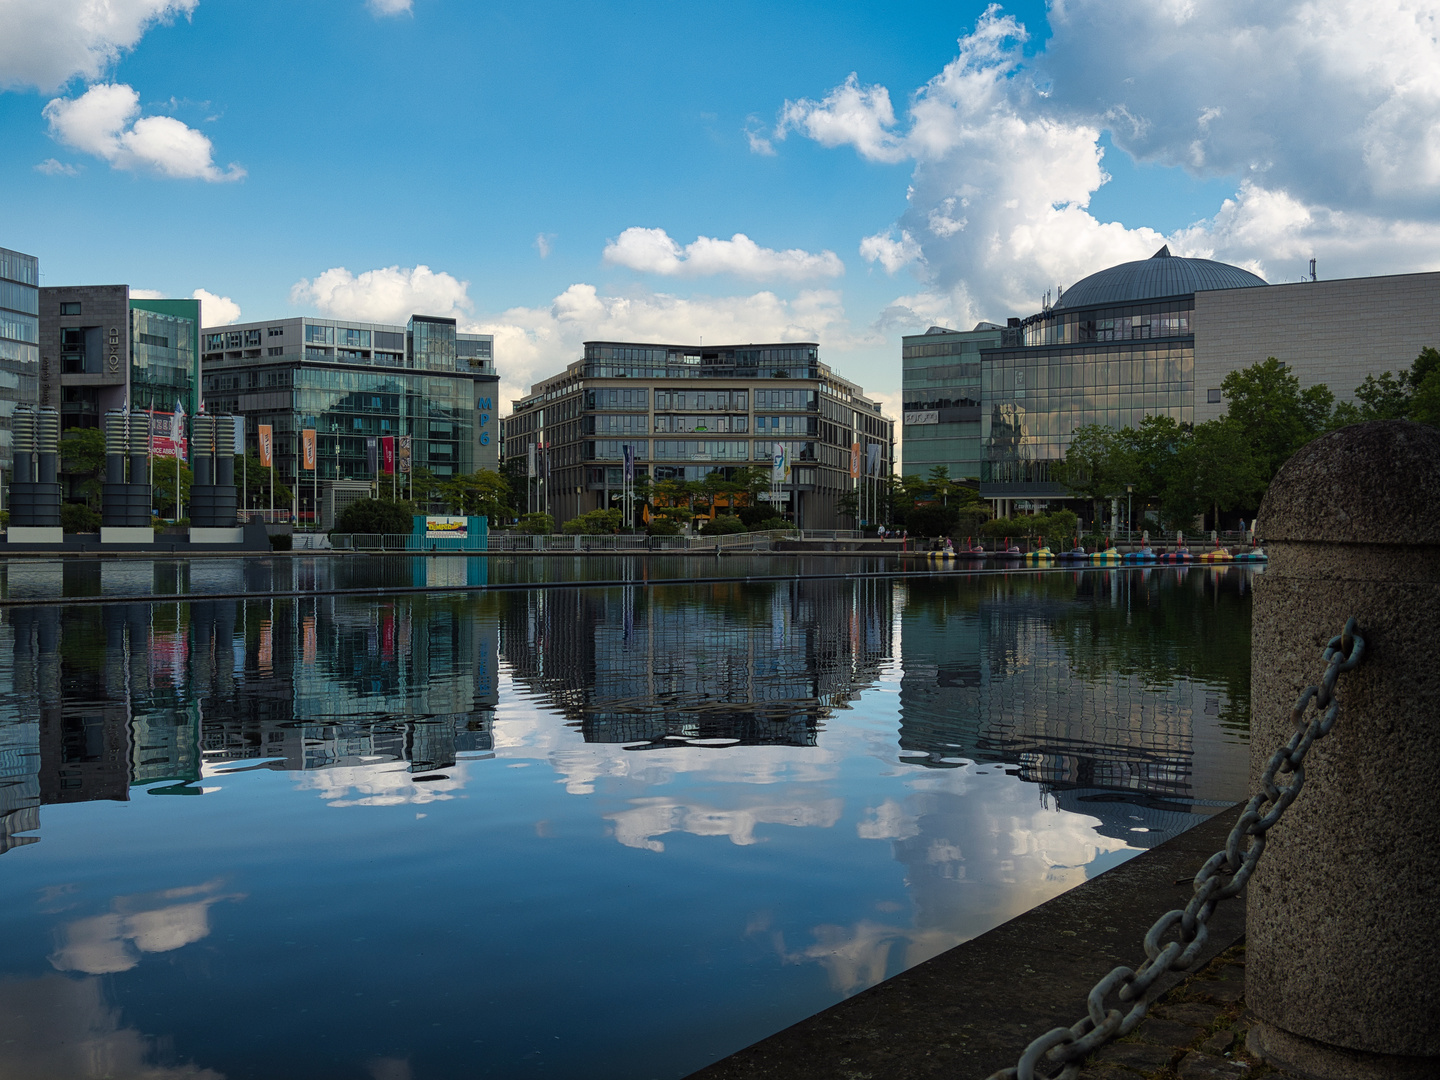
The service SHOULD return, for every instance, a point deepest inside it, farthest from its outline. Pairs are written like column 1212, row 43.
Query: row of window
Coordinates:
column 695, row 449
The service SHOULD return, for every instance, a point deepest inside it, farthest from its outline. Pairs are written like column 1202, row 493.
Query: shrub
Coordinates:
column 771, row 525
column 753, row 515
column 375, row 516
column 663, row 526
column 594, row 523
column 536, row 524
column 79, row 518
column 724, row 525
column 281, row 542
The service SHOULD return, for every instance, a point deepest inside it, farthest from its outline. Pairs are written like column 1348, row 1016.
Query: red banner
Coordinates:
column 167, row 435
column 387, row 454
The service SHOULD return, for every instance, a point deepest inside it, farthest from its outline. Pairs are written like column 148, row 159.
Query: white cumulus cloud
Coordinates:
column 216, row 310
column 653, row 251
column 388, row 295
column 46, row 43
column 52, row 167
column 1334, row 152
column 105, row 121
column 391, row 7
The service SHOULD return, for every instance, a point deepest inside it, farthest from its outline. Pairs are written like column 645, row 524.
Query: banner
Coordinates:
column 387, row 453
column 629, row 463
column 873, row 465
column 446, row 528
column 403, row 454
column 531, row 473
column 167, row 435
column 239, row 448
column 267, row 445
column 372, row 454
column 780, row 464
column 307, row 448
column 854, row 461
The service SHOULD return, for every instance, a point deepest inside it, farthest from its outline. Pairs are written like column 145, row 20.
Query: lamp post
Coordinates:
column 1129, row 513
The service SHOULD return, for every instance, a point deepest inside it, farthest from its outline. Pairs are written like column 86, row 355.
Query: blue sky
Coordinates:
column 552, row 164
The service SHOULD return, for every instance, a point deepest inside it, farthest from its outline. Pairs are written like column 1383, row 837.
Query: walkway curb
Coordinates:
column 973, row 1009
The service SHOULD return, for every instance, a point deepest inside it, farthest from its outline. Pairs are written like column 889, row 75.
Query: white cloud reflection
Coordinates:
column 647, row 819
column 144, row 923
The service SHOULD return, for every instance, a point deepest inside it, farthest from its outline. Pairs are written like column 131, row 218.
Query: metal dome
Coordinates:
column 1162, row 274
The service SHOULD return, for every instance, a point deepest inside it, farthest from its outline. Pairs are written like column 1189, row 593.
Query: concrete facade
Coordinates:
column 84, row 351
column 1331, row 332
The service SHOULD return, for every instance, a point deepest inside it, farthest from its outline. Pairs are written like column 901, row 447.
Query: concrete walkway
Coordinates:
column 972, row 1010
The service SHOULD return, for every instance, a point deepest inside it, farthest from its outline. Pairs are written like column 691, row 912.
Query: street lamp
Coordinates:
column 1129, row 515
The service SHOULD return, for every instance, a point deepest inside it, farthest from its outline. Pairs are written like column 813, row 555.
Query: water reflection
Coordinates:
column 473, row 833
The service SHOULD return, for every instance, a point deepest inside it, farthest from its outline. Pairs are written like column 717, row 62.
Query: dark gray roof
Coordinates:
column 1162, row 274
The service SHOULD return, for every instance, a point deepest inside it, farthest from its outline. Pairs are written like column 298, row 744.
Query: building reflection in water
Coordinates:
column 1101, row 687
column 752, row 664
column 100, row 699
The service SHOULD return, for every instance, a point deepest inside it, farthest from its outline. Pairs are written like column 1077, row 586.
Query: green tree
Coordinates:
column 82, row 459
column 481, row 492
column 1216, row 469
column 376, row 516
column 256, row 478
column 849, row 505
column 594, row 523
column 163, row 493
column 536, row 524
column 1274, row 415
column 1094, row 464
column 78, row 518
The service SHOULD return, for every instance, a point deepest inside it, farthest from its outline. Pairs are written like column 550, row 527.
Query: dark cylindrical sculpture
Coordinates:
column 213, row 495
column 1343, row 908
column 225, row 451
column 117, row 441
column 22, row 425
column 47, row 444
column 202, row 450
column 35, row 492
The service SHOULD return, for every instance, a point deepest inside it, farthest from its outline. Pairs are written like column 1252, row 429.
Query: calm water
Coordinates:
column 606, row 832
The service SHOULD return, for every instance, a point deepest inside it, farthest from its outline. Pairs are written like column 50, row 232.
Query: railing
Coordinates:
column 557, row 544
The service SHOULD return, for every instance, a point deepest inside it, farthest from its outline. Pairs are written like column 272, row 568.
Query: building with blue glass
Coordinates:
column 1155, row 336
column 352, row 382
column 686, row 411
column 19, row 341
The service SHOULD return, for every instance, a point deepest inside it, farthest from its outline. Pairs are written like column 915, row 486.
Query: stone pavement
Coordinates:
column 1195, row 1032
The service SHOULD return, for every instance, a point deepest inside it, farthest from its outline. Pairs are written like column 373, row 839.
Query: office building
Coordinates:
column 685, row 411
column 1155, row 336
column 19, row 341
column 101, row 349
column 352, row 382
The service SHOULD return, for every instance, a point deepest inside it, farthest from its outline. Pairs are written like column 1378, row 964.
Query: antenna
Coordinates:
column 1312, row 269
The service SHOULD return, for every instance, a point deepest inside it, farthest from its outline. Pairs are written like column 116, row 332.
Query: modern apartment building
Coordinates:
column 354, row 381
column 19, row 341
column 685, row 411
column 102, row 349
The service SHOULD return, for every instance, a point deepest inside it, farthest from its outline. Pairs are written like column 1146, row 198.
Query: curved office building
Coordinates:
column 1115, row 347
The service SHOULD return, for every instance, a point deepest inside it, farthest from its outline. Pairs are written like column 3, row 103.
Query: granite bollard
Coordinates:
column 1344, row 907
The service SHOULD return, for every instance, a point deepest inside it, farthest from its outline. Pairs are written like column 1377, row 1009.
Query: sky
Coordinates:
column 554, row 172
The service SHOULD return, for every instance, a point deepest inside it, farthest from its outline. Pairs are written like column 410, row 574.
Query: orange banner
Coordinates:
column 267, row 446
column 854, row 461
column 307, row 448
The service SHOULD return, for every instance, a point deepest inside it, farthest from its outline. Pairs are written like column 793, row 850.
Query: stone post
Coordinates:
column 1343, row 917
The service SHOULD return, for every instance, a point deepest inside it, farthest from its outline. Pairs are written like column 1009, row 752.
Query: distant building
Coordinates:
column 354, row 381
column 1155, row 336
column 19, row 341
column 101, row 349
column 685, row 411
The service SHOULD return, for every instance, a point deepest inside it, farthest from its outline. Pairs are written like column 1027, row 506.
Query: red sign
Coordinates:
column 387, row 453
column 167, row 435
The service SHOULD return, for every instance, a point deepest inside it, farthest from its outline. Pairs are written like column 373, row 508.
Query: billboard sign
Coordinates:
column 446, row 528
column 167, row 435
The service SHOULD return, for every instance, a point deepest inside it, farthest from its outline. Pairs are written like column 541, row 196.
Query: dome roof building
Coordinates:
column 1160, row 275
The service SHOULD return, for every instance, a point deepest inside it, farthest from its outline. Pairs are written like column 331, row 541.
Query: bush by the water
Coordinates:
column 79, row 518
column 282, row 542
column 724, row 525
column 1058, row 527
column 770, row 525
column 663, row 526
column 536, row 524
column 375, row 516
column 594, row 523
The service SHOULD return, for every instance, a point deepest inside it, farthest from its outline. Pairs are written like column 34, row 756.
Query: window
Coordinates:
column 252, row 338
column 275, row 331
column 70, row 309
column 1212, row 397
column 275, row 350
column 232, row 340
column 319, row 335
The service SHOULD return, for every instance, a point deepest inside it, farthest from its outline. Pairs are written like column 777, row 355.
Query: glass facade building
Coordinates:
column 942, row 398
column 352, row 382
column 165, row 355
column 19, row 341
column 686, row 411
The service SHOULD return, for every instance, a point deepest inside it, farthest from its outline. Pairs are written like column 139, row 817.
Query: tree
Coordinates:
column 1274, row 415
column 1151, row 452
column 594, row 523
column 481, row 492
column 536, row 524
column 163, row 494
column 1412, row 394
column 256, row 478
column 375, row 516
column 849, row 505
column 724, row 525
column 1094, row 464
column 82, row 459
column 1216, row 469
column 78, row 518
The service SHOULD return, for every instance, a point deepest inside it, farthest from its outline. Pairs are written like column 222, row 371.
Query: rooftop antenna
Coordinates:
column 1312, row 269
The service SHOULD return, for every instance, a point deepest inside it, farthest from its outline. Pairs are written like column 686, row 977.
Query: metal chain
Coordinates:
column 1070, row 1046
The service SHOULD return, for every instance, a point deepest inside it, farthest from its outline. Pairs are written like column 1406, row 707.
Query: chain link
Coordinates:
column 1069, row 1047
